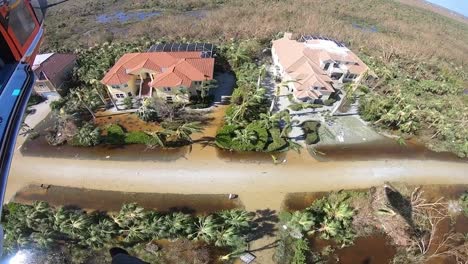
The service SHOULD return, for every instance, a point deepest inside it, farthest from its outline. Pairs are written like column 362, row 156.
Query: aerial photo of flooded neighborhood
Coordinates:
column 240, row 131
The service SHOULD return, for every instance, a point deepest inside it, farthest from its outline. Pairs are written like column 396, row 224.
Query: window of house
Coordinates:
column 326, row 66
column 336, row 65
column 167, row 89
column 352, row 76
column 126, row 85
column 197, row 82
column 315, row 88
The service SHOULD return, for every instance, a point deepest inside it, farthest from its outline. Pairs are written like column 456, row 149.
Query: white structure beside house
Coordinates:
column 315, row 67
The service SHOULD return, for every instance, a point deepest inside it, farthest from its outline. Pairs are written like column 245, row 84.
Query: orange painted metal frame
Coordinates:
column 23, row 48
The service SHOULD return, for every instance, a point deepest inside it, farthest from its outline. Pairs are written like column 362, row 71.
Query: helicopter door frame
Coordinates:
column 22, row 48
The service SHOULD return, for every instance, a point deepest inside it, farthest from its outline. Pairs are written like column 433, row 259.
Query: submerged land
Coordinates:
column 417, row 105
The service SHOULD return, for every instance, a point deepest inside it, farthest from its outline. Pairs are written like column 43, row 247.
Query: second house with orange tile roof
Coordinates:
column 315, row 67
column 171, row 76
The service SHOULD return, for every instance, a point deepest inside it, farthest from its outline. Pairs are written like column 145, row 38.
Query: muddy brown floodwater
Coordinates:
column 113, row 201
column 382, row 149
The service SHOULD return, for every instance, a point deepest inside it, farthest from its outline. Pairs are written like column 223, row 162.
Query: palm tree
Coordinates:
column 205, row 229
column 158, row 139
column 237, row 55
column 44, row 238
column 236, row 218
column 300, row 222
column 338, row 210
column 75, row 225
column 39, row 216
column 329, row 229
column 88, row 135
column 180, row 225
column 78, row 94
column 245, row 136
column 185, row 130
column 261, row 75
column 129, row 215
column 206, row 87
column 100, row 234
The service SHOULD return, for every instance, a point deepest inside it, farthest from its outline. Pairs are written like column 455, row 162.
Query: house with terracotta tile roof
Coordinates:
column 52, row 71
column 315, row 67
column 171, row 76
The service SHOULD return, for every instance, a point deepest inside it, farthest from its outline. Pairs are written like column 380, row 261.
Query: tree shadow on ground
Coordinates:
column 264, row 224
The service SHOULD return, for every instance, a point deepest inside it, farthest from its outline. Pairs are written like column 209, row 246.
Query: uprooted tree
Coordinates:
column 415, row 224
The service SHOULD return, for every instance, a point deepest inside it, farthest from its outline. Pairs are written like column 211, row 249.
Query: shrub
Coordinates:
column 224, row 136
column 278, row 143
column 262, row 135
column 88, row 135
column 35, row 99
column 309, row 126
column 301, row 249
column 115, row 135
column 58, row 104
column 128, row 102
column 329, row 102
column 296, row 107
column 137, row 137
column 312, row 138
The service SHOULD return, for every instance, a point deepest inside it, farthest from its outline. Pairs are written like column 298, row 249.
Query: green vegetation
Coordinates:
column 147, row 111
column 43, row 227
column 302, row 106
column 88, row 135
column 464, row 203
column 249, row 125
column 424, row 99
column 329, row 218
column 310, row 129
column 35, row 99
column 172, row 134
column 301, row 248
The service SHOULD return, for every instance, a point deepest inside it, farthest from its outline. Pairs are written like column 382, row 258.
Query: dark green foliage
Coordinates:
column 310, row 129
column 115, row 135
column 224, row 136
column 334, row 215
column 296, row 107
column 58, row 104
column 128, row 102
column 261, row 134
column 301, row 250
column 35, row 99
column 137, row 137
column 310, row 126
column 278, row 143
column 329, row 102
column 42, row 226
column 312, row 138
